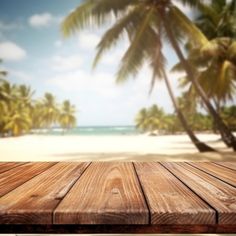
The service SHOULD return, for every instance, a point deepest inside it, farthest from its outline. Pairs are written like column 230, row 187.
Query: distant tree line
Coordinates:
column 154, row 120
column 20, row 113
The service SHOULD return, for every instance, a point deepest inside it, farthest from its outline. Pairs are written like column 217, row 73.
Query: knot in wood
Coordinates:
column 115, row 191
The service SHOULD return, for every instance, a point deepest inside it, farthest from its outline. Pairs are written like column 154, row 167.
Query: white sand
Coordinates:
column 110, row 148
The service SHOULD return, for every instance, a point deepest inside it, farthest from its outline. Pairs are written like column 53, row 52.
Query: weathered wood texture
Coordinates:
column 34, row 201
column 218, row 194
column 169, row 200
column 107, row 193
column 230, row 165
column 4, row 166
column 15, row 177
column 221, row 172
column 109, row 197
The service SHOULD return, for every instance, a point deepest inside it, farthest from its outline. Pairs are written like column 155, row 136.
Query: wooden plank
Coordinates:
column 231, row 165
column 34, row 201
column 169, row 200
column 13, row 178
column 221, row 196
column 223, row 173
column 4, row 166
column 107, row 193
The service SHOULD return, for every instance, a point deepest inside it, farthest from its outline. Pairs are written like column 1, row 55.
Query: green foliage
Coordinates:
column 154, row 120
column 217, row 19
column 66, row 117
column 142, row 22
column 229, row 116
column 20, row 113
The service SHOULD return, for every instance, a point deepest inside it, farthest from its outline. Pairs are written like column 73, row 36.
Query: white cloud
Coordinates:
column 43, row 20
column 99, row 83
column 40, row 20
column 11, row 52
column 63, row 63
column 88, row 40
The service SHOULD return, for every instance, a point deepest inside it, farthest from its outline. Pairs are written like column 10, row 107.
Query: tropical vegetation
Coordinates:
column 147, row 24
column 214, row 61
column 21, row 114
column 155, row 121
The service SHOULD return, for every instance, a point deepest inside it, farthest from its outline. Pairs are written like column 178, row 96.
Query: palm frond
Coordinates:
column 93, row 13
column 158, row 62
column 135, row 56
column 191, row 3
column 114, row 34
column 184, row 24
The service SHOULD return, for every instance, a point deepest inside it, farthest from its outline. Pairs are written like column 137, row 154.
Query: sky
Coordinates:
column 35, row 53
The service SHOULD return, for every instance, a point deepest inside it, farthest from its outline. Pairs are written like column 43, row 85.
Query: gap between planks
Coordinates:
column 89, row 163
column 206, row 202
column 107, row 193
column 218, row 194
column 19, row 175
column 37, row 197
column 222, row 173
column 5, row 166
column 169, row 200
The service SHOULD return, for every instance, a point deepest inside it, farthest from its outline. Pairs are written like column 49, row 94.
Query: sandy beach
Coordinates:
column 111, row 148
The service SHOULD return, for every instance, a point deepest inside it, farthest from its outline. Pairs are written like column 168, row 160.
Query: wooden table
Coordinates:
column 118, row 197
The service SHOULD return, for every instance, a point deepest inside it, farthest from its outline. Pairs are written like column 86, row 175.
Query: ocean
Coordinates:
column 93, row 130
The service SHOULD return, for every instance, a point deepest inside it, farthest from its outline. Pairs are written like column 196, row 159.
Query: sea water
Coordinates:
column 92, row 130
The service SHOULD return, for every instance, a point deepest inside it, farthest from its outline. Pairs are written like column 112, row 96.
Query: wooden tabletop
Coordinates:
column 115, row 197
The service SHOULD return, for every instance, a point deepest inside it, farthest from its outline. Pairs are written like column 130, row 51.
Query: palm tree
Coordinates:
column 19, row 113
column 202, row 147
column 8, row 92
column 217, row 19
column 67, row 117
column 25, row 94
column 3, row 105
column 3, row 111
column 216, row 62
column 50, row 112
column 37, row 113
column 141, row 120
column 156, row 117
column 229, row 114
column 145, row 23
column 18, row 119
column 151, row 120
column 226, row 134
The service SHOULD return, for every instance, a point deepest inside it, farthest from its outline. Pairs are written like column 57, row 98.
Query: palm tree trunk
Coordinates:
column 202, row 147
column 226, row 134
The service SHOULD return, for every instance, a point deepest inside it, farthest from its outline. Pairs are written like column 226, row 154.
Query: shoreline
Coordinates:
column 111, row 148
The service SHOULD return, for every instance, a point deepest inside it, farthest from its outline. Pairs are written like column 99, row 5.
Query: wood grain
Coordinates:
column 13, row 178
column 231, row 165
column 221, row 196
column 34, row 201
column 221, row 172
column 169, row 200
column 4, row 166
column 107, row 193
